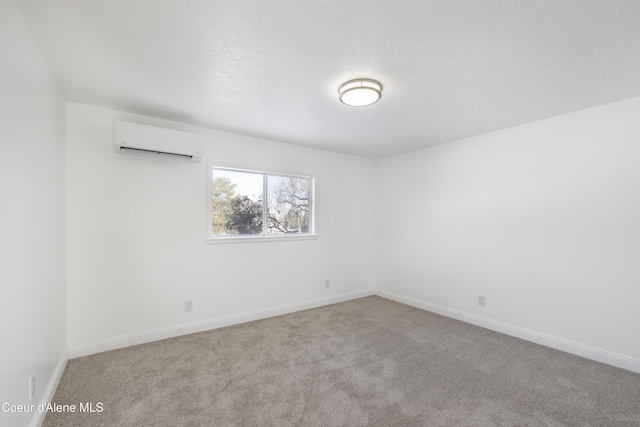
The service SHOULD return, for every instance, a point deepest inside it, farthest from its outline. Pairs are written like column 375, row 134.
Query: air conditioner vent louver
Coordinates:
column 158, row 143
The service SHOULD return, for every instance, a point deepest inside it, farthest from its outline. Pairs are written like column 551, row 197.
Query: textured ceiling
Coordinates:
column 450, row 69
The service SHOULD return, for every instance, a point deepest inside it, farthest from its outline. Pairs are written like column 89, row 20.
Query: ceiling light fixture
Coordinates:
column 360, row 92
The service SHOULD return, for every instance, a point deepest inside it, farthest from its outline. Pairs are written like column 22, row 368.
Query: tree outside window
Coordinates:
column 239, row 205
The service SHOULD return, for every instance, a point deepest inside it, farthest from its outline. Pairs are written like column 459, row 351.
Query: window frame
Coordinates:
column 263, row 237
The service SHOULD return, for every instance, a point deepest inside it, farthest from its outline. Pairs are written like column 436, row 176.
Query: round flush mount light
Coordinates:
column 360, row 92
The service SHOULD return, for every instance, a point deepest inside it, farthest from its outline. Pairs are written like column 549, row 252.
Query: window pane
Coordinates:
column 288, row 204
column 237, row 202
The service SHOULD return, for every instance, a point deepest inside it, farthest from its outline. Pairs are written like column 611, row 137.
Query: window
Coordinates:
column 239, row 208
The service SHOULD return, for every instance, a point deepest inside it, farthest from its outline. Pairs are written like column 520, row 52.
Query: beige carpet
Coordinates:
column 364, row 362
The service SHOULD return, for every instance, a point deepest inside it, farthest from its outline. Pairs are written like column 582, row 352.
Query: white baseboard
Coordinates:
column 586, row 351
column 190, row 328
column 50, row 391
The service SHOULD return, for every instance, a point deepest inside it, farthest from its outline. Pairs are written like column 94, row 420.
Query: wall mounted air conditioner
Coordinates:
column 159, row 143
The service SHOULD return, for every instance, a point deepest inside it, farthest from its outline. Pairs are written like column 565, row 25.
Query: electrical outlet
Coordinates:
column 188, row 305
column 327, row 283
column 32, row 386
column 481, row 301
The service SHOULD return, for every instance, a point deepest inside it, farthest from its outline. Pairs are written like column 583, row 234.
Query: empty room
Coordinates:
column 327, row 213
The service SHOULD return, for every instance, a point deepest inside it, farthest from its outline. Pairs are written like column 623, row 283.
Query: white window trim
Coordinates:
column 214, row 240
column 254, row 239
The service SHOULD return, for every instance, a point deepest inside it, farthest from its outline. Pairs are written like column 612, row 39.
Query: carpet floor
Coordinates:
column 366, row 362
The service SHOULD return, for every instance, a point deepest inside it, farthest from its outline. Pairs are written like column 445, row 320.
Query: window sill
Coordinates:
column 253, row 239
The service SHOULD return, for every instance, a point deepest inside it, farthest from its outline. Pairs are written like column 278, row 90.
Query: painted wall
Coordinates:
column 136, row 231
column 541, row 219
column 32, row 301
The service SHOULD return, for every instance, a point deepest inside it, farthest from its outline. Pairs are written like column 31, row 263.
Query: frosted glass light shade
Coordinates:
column 360, row 92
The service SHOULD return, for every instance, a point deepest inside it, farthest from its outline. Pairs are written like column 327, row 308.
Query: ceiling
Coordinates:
column 450, row 69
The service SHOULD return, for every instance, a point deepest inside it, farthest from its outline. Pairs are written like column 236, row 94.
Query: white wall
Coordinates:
column 32, row 302
column 542, row 219
column 136, row 232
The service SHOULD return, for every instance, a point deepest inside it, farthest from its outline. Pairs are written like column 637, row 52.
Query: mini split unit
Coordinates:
column 158, row 143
